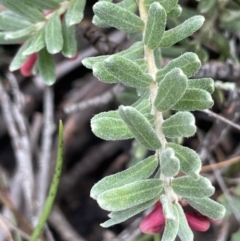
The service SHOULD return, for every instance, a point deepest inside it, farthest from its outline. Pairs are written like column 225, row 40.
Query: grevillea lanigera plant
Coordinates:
column 162, row 92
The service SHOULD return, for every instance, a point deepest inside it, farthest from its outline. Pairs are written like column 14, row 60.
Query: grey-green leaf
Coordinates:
column 189, row 63
column 90, row 61
column 99, row 22
column 140, row 171
column 20, row 33
column 49, row 4
column 118, row 17
column 46, row 66
column 110, row 126
column 120, row 216
column 184, row 231
column 37, row 43
column 171, row 89
column 127, row 72
column 24, row 9
column 171, row 227
column 19, row 58
column 130, row 5
column 207, row 207
column 130, row 195
column 182, row 124
column 53, row 34
column 194, row 99
column 155, row 26
column 69, row 40
column 9, row 21
column 170, row 164
column 203, row 84
column 74, row 14
column 167, row 4
column 167, row 207
column 189, row 187
column 175, row 12
column 190, row 162
column 182, row 31
column 141, row 128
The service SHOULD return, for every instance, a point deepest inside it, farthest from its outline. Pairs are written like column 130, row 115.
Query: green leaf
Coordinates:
column 53, row 34
column 155, row 26
column 194, row 99
column 12, row 41
column 140, row 171
column 171, row 227
column 170, row 164
column 118, row 17
column 90, row 61
column 130, row 195
column 49, row 4
column 189, row 63
column 69, row 40
column 24, row 9
column 130, row 5
column 203, row 84
column 189, row 187
column 101, row 72
column 182, row 124
column 74, row 14
column 37, row 43
column 190, row 162
column 19, row 58
column 20, row 33
column 53, row 188
column 158, row 57
column 127, row 72
column 182, row 31
column 10, row 21
column 171, row 89
column 175, row 12
column 109, row 126
column 205, row 6
column 167, row 4
column 235, row 236
column 140, row 127
column 46, row 66
column 121, row 216
column 184, row 231
column 99, row 22
column 167, row 208
column 207, row 207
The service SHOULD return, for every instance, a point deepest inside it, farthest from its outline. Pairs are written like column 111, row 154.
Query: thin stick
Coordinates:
column 221, row 118
column 8, row 233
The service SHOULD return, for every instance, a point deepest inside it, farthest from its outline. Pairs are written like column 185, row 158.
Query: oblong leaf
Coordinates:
column 11, row 41
column 194, row 99
column 49, row 4
column 110, row 126
column 46, row 66
column 9, row 21
column 130, row 5
column 189, row 63
column 182, row 31
column 190, row 162
column 121, row 216
column 140, row 127
column 155, row 26
column 53, row 34
column 182, row 124
column 69, row 49
column 74, row 14
column 203, row 84
column 189, row 187
column 167, row 207
column 127, row 72
column 175, row 12
column 24, row 9
column 20, row 33
column 171, row 227
column 207, row 207
column 118, row 17
column 167, row 4
column 171, row 89
column 37, row 43
column 184, row 231
column 130, row 195
column 170, row 164
column 140, row 171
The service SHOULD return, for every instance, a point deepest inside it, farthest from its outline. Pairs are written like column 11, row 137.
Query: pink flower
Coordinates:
column 26, row 69
column 154, row 222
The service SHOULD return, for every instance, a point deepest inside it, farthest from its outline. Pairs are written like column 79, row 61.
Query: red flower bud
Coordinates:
column 198, row 223
column 154, row 222
column 27, row 67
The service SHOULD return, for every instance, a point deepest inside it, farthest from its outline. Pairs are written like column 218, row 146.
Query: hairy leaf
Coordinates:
column 175, row 12
column 155, row 25
column 203, row 84
column 20, row 33
column 171, row 89
column 130, row 195
column 141, row 128
column 189, row 187
column 167, row 4
column 182, row 124
column 49, row 4
column 167, row 207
